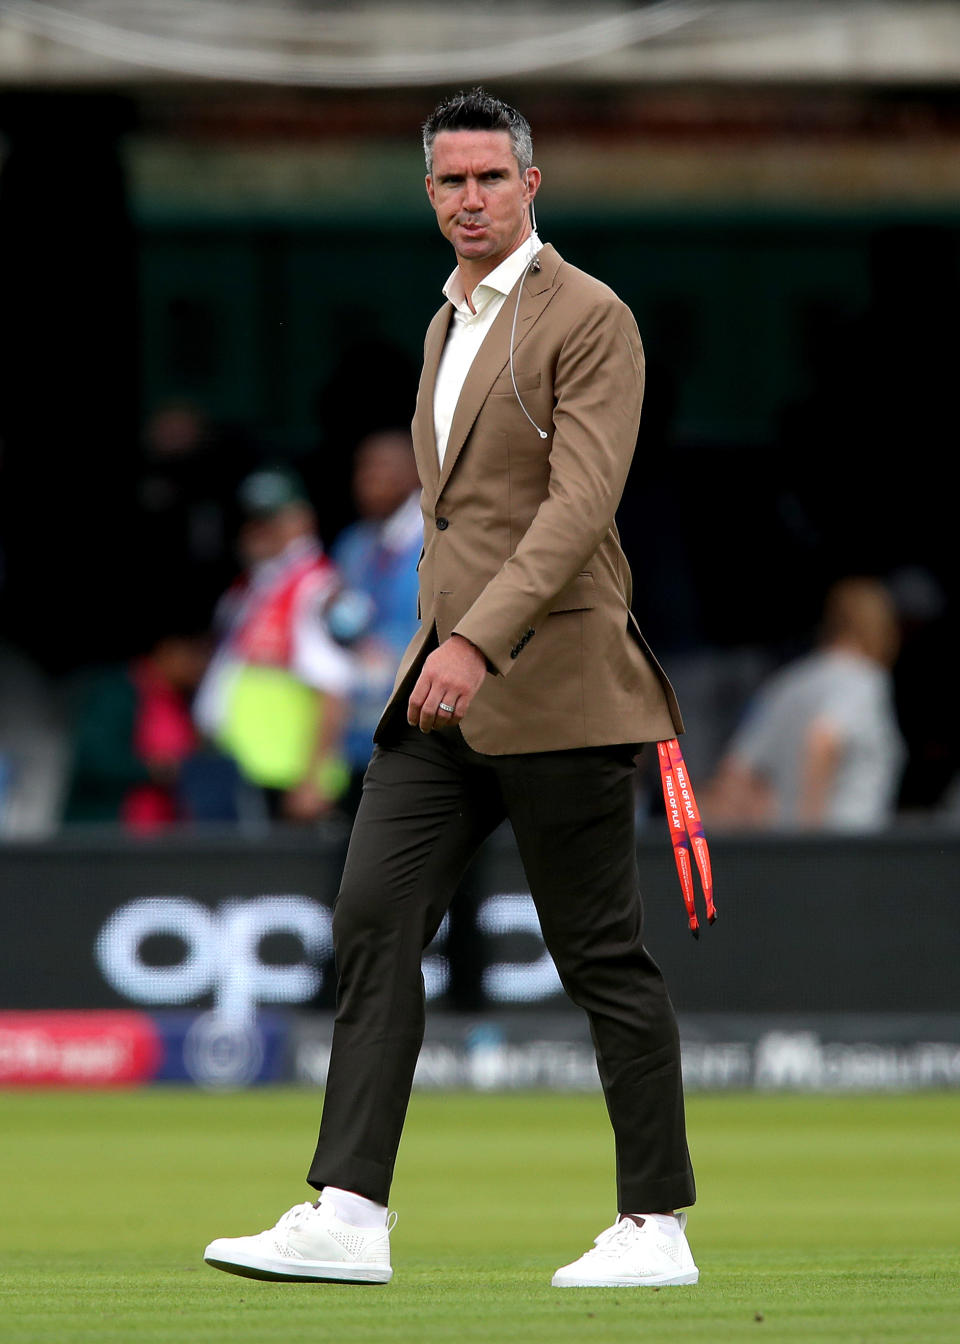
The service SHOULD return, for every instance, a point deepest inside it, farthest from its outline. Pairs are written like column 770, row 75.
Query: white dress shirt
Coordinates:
column 468, row 328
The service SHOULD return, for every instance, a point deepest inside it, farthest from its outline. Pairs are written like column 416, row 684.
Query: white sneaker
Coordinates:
column 308, row 1243
column 628, row 1256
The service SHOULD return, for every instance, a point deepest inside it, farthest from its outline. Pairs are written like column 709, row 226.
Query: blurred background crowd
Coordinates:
column 217, row 263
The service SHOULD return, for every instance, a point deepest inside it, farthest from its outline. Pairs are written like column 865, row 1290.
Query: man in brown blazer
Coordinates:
column 524, row 695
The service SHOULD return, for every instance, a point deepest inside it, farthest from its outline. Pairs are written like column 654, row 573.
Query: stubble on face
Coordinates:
column 480, row 198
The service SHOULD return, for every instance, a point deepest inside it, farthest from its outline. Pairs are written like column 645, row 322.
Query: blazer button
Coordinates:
column 443, row 524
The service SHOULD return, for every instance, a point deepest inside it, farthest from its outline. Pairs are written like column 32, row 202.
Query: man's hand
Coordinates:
column 451, row 676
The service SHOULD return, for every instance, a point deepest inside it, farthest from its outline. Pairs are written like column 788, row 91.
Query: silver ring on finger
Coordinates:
column 447, row 709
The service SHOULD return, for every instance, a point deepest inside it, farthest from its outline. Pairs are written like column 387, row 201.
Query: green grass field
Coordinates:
column 828, row 1219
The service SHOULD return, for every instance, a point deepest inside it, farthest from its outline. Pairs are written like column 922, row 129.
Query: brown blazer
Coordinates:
column 521, row 553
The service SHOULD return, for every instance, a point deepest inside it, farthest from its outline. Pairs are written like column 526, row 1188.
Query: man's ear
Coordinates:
column 428, row 182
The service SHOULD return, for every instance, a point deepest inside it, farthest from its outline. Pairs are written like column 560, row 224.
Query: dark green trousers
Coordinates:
column 428, row 803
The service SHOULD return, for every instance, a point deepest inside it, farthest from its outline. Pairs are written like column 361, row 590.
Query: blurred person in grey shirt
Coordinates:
column 820, row 745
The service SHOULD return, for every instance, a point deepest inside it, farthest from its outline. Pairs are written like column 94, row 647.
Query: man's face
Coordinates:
column 256, row 541
column 384, row 474
column 481, row 200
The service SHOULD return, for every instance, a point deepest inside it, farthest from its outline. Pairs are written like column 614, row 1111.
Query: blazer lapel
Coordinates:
column 424, row 434
column 493, row 356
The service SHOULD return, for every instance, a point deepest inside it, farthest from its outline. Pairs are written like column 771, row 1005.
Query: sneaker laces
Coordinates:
column 300, row 1212
column 293, row 1217
column 616, row 1238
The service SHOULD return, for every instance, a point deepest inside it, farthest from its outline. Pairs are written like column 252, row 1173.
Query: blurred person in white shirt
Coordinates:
column 820, row 745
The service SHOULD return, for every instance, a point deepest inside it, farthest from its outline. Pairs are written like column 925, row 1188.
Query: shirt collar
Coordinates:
column 500, row 280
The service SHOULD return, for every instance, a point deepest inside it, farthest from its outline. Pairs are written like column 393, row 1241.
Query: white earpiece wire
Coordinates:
column 532, row 264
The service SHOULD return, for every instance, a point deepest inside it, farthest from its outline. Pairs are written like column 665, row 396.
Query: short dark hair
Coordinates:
column 477, row 110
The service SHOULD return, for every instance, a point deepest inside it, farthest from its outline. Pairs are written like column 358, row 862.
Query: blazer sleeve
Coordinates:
column 598, row 390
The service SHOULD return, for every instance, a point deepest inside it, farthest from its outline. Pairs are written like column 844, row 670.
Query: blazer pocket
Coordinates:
column 579, row 595
column 528, row 380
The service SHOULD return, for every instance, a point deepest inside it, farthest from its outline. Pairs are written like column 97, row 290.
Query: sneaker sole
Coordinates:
column 654, row 1281
column 306, row 1271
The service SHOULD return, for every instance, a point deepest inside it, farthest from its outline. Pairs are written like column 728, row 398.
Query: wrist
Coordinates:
column 475, row 649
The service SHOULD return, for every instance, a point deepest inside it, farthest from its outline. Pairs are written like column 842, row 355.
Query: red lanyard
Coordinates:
column 686, row 830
